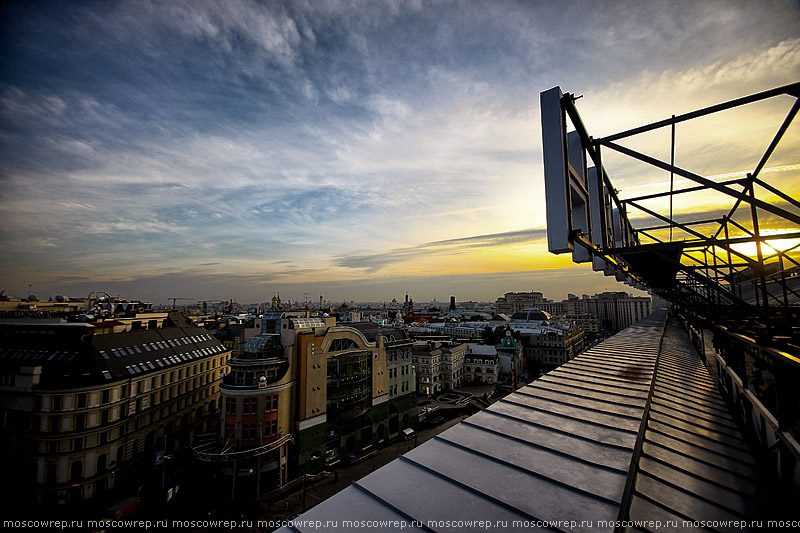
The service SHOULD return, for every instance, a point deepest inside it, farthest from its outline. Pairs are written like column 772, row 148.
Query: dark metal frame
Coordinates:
column 751, row 308
column 713, row 280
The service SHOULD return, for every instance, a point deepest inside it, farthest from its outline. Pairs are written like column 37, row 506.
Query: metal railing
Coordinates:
column 761, row 387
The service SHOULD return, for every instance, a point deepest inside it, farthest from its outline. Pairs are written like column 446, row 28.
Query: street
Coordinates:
column 292, row 504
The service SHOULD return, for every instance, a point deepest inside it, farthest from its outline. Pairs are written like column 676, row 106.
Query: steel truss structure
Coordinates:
column 695, row 262
column 741, row 310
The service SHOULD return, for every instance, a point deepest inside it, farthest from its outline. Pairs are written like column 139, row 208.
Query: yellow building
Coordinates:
column 304, row 395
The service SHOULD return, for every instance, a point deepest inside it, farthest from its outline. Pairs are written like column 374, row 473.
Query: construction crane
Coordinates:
column 173, row 300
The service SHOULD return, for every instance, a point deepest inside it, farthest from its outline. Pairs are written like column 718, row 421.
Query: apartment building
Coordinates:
column 87, row 409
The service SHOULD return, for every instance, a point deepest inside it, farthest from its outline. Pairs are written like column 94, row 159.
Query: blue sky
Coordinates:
column 359, row 149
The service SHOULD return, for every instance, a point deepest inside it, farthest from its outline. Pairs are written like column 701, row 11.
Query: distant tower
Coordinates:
column 452, row 303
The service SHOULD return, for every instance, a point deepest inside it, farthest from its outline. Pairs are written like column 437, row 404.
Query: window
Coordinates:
column 342, row 344
column 81, row 400
column 230, row 405
column 274, row 427
column 50, row 473
column 76, row 472
column 250, row 405
column 275, row 403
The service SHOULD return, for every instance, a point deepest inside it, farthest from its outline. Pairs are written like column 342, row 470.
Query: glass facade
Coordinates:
column 349, row 384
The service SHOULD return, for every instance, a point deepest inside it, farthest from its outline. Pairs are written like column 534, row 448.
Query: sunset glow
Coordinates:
column 231, row 150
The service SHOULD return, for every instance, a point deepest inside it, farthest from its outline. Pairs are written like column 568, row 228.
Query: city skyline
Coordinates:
column 229, row 151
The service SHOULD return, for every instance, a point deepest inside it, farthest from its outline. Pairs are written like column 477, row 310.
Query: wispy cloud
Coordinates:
column 375, row 262
column 328, row 139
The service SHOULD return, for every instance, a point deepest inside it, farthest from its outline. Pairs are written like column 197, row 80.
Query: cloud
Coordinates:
column 252, row 288
column 375, row 262
column 328, row 139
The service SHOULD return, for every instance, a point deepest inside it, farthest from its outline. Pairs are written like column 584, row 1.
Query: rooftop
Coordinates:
column 70, row 353
column 633, row 428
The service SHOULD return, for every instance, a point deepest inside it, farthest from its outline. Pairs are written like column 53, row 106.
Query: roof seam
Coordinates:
column 539, row 446
column 556, row 430
column 708, row 480
column 385, row 503
column 528, row 471
column 468, row 488
column 696, row 445
column 705, row 462
column 584, row 407
column 570, row 417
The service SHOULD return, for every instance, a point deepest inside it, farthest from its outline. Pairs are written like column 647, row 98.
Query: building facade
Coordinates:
column 618, row 310
column 512, row 302
column 88, row 412
column 570, row 306
column 586, row 321
column 547, row 340
column 481, row 364
column 439, row 365
column 307, row 394
column 346, row 401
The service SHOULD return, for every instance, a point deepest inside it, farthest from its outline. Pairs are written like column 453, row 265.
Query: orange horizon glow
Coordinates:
column 769, row 247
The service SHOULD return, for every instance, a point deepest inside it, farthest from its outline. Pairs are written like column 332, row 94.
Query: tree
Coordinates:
column 493, row 336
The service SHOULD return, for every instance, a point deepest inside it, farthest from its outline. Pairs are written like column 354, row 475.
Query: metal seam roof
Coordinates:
column 712, row 476
column 562, row 449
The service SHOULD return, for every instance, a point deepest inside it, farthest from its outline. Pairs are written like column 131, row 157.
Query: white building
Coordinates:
column 481, row 364
column 547, row 341
column 459, row 330
column 618, row 310
column 512, row 302
column 439, row 367
column 400, row 366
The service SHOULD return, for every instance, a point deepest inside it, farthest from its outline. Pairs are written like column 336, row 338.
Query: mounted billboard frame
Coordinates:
column 695, row 265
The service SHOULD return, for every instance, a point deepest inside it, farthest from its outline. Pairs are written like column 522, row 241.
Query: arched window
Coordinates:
column 101, row 463
column 338, row 345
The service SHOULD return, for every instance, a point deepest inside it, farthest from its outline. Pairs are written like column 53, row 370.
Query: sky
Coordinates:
column 357, row 149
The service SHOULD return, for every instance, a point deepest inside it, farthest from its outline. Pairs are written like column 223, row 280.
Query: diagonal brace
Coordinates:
column 705, row 181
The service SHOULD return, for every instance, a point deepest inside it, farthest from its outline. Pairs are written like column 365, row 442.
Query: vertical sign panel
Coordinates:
column 554, row 155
